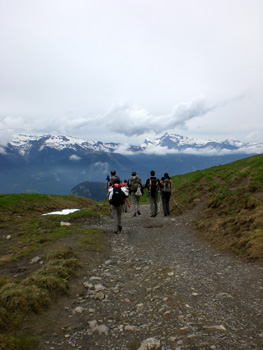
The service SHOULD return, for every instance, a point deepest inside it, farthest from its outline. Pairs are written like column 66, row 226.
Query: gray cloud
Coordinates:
column 102, row 166
column 63, row 63
column 140, row 121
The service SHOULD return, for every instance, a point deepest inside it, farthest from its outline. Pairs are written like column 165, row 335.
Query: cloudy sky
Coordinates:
column 124, row 70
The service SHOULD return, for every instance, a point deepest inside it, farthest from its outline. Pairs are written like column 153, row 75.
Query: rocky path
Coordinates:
column 161, row 282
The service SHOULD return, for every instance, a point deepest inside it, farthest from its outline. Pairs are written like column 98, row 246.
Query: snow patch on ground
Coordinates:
column 62, row 212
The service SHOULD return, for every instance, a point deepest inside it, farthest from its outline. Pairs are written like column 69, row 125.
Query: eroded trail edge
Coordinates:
column 160, row 281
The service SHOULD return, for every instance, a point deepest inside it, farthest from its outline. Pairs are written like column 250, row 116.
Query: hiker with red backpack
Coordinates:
column 136, row 191
column 153, row 184
column 117, row 197
column 166, row 191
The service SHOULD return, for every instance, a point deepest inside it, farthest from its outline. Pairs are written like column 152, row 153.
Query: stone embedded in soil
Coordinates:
column 217, row 327
column 35, row 260
column 102, row 329
column 150, row 343
column 79, row 310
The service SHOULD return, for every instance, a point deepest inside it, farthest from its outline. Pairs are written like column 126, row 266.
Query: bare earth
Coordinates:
column 158, row 280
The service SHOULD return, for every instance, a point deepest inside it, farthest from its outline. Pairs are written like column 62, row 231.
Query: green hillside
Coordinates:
column 230, row 199
column 227, row 201
column 25, row 287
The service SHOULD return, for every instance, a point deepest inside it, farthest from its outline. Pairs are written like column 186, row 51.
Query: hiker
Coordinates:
column 111, row 179
column 166, row 191
column 136, row 191
column 125, row 189
column 152, row 184
column 117, row 198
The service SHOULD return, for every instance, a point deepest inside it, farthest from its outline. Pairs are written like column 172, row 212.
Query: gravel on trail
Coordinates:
column 162, row 285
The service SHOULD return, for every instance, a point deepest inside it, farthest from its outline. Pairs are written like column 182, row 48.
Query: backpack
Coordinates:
column 153, row 186
column 166, row 185
column 117, row 197
column 134, row 183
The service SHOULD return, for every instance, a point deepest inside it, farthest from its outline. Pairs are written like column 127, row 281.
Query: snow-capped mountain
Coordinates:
column 168, row 143
column 196, row 146
column 56, row 164
column 25, row 143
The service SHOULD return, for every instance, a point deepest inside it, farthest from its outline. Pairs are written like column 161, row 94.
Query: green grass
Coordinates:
column 92, row 239
column 18, row 297
column 232, row 212
column 32, row 234
column 21, row 217
column 8, row 342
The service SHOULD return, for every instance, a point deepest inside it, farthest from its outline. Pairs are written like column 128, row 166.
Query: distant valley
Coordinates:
column 57, row 164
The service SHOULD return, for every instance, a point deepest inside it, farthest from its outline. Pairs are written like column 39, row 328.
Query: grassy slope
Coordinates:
column 232, row 212
column 231, row 217
column 31, row 234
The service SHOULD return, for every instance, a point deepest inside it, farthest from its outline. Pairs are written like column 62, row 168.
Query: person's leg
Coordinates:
column 119, row 212
column 152, row 205
column 168, row 203
column 133, row 203
column 138, row 205
column 155, row 210
column 164, row 204
column 115, row 218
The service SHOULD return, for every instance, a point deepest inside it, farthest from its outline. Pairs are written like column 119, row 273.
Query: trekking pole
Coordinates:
column 175, row 202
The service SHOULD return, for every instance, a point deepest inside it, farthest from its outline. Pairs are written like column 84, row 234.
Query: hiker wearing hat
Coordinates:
column 166, row 191
column 136, row 191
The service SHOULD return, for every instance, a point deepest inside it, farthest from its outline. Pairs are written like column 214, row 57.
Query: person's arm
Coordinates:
column 127, row 200
column 147, row 184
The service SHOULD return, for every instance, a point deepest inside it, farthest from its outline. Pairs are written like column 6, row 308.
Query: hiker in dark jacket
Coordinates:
column 152, row 184
column 166, row 191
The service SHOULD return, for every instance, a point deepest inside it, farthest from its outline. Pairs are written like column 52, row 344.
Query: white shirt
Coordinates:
column 110, row 192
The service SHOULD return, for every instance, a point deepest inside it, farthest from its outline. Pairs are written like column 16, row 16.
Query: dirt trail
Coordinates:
column 159, row 280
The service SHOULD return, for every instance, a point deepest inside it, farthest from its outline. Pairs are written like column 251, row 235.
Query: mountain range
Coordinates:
column 56, row 164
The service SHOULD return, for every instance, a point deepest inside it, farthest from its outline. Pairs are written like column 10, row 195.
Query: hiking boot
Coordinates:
column 119, row 228
column 139, row 213
column 134, row 214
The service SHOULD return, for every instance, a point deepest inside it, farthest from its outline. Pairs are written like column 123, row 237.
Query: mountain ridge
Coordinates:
column 56, row 164
column 167, row 142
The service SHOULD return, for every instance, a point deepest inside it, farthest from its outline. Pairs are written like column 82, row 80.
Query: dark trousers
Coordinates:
column 166, row 203
column 154, row 204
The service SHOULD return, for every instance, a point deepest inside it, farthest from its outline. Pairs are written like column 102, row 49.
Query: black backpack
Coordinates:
column 153, row 186
column 117, row 197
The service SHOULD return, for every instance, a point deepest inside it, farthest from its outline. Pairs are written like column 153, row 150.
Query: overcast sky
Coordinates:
column 124, row 70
